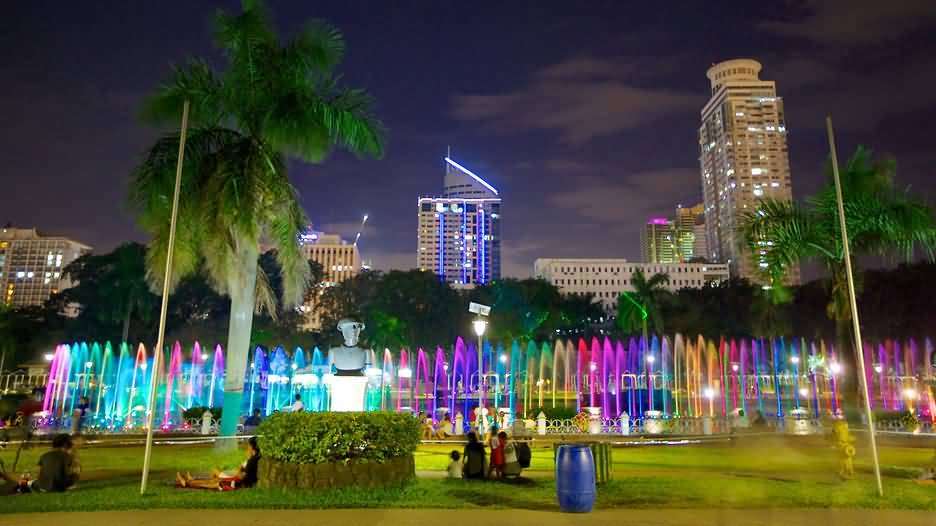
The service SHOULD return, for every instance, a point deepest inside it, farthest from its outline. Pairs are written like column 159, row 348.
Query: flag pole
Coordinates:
column 856, row 325
column 157, row 351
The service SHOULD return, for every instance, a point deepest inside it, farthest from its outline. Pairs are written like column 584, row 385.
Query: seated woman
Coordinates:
column 473, row 458
column 246, row 476
column 445, row 428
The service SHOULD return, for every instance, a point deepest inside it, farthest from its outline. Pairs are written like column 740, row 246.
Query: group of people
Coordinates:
column 471, row 463
column 59, row 469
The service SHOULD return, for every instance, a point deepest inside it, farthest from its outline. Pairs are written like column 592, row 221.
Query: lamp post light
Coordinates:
column 480, row 325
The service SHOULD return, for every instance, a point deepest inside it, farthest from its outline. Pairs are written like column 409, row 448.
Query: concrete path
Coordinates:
column 776, row 517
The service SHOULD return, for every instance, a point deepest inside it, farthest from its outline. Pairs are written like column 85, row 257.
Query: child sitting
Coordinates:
column 455, row 466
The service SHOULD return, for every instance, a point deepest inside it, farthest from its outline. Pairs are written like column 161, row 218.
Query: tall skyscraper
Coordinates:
column 685, row 225
column 340, row 261
column 459, row 233
column 743, row 158
column 31, row 265
column 658, row 241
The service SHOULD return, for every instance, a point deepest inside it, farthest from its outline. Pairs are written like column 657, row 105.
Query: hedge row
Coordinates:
column 312, row 438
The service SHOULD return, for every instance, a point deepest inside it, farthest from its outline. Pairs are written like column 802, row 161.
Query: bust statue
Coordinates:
column 348, row 359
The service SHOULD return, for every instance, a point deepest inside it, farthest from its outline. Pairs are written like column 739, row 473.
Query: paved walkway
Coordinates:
column 474, row 517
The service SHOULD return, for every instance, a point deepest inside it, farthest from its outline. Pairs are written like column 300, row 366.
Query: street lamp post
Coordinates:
column 856, row 322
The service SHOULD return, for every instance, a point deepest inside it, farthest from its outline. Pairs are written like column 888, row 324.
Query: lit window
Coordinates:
column 775, row 185
column 757, row 171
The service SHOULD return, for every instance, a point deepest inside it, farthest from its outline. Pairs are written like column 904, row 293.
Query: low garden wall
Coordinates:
column 286, row 475
column 336, row 450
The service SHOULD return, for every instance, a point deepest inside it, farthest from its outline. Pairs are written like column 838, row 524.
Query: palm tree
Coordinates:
column 880, row 218
column 274, row 100
column 638, row 309
column 7, row 334
column 113, row 284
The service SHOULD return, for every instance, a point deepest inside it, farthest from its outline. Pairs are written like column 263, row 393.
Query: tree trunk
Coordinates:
column 238, row 346
column 126, row 324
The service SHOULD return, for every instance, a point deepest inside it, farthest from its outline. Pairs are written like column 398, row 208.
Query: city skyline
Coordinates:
column 598, row 130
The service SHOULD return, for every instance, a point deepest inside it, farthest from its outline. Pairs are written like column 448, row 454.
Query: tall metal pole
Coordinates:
column 480, row 371
column 157, row 352
column 856, row 325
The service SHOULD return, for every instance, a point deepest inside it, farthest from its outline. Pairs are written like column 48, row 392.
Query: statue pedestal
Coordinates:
column 347, row 393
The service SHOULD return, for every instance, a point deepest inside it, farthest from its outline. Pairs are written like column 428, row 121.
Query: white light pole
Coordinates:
column 157, row 352
column 856, row 325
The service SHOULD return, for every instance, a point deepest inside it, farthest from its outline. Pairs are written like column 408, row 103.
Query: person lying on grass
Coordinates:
column 246, row 476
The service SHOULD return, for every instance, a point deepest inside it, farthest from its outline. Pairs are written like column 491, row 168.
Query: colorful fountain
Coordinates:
column 681, row 377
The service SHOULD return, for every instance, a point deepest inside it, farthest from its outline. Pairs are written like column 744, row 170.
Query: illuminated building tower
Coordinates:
column 658, row 241
column 340, row 261
column 743, row 158
column 689, row 223
column 459, row 233
column 31, row 265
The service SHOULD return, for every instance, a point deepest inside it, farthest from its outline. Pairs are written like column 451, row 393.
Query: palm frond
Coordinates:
column 264, row 297
column 195, row 82
column 319, row 47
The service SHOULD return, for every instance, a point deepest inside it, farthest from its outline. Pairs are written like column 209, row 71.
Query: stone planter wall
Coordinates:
column 285, row 475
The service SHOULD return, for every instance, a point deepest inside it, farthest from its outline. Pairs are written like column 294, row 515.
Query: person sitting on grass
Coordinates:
column 455, row 467
column 474, row 458
column 246, row 476
column 58, row 469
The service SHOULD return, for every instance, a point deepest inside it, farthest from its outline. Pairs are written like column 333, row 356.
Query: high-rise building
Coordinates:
column 340, row 261
column 31, row 265
column 606, row 279
column 743, row 158
column 700, row 244
column 658, row 241
column 459, row 233
column 685, row 225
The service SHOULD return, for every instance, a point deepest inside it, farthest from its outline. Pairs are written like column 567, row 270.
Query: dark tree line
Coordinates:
column 414, row 309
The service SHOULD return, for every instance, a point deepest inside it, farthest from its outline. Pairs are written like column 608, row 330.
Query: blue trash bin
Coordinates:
column 575, row 478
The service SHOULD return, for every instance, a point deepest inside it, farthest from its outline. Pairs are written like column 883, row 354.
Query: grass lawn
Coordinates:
column 769, row 473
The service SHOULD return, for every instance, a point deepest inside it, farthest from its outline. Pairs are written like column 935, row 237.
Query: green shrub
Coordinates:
column 196, row 413
column 312, row 438
column 556, row 413
column 905, row 419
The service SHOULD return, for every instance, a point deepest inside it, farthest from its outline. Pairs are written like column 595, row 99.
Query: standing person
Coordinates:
column 252, row 421
column 497, row 453
column 473, row 458
column 78, row 416
column 297, row 406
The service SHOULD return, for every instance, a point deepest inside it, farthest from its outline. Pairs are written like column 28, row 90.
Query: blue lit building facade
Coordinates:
column 460, row 233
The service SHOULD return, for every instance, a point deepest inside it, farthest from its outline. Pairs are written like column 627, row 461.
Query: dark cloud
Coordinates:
column 579, row 99
column 854, row 22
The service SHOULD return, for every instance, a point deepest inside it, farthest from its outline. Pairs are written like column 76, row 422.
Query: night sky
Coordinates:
column 583, row 114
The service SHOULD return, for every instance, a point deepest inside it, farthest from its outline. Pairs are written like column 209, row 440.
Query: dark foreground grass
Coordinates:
column 766, row 475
